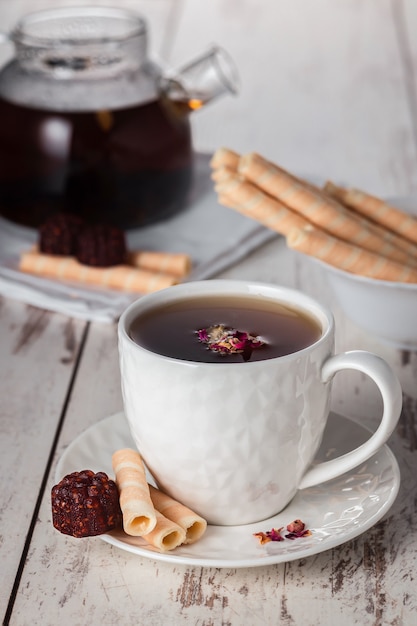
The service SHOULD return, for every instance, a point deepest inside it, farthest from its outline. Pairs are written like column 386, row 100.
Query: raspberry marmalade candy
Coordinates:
column 58, row 235
column 85, row 504
column 101, row 245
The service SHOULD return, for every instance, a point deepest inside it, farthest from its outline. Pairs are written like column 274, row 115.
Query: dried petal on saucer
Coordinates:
column 297, row 529
column 271, row 535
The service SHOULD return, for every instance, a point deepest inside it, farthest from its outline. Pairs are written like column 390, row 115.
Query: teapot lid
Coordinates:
column 81, row 41
column 60, row 51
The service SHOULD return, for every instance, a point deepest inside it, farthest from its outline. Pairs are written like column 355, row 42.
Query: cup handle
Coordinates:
column 383, row 376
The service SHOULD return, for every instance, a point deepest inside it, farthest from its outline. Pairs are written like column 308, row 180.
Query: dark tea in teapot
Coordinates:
column 89, row 125
column 128, row 166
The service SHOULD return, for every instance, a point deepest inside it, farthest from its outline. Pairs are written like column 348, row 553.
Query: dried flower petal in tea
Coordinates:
column 225, row 340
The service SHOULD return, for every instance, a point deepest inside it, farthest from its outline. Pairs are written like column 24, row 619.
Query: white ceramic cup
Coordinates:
column 234, row 441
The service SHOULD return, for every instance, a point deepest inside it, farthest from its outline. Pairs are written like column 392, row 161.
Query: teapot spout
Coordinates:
column 204, row 79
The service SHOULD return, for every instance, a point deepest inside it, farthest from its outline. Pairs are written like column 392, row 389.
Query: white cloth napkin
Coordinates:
column 214, row 236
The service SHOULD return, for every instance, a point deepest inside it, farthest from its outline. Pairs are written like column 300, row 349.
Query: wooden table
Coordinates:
column 328, row 90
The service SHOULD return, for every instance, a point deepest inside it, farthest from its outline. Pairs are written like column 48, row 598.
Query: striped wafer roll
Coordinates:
column 224, row 157
column 139, row 515
column 391, row 218
column 257, row 165
column 225, row 201
column 222, row 173
column 120, row 277
column 166, row 535
column 175, row 264
column 314, row 242
column 193, row 525
column 237, row 193
column 316, row 207
column 408, row 248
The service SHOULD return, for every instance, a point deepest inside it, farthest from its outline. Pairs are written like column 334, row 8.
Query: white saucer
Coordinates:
column 335, row 512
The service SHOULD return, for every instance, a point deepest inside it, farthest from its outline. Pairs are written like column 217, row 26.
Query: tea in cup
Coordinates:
column 226, row 388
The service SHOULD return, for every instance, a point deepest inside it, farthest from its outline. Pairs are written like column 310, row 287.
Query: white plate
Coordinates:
column 335, row 512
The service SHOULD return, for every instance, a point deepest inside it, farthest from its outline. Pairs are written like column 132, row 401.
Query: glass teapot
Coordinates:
column 89, row 125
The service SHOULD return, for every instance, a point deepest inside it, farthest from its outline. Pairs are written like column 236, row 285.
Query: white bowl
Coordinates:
column 387, row 310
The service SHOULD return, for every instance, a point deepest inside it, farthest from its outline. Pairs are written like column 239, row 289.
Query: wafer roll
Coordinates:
column 234, row 192
column 316, row 207
column 222, row 173
column 389, row 217
column 175, row 264
column 193, row 525
column 408, row 248
column 404, row 251
column 120, row 277
column 166, row 535
column 139, row 515
column 255, row 167
column 224, row 157
column 348, row 257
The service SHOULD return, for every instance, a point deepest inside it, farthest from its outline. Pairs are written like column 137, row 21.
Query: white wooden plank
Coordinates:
column 322, row 88
column 38, row 352
column 96, row 394
column 405, row 16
